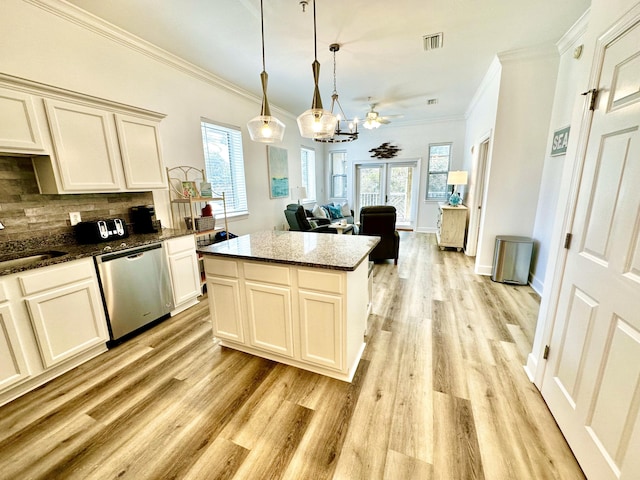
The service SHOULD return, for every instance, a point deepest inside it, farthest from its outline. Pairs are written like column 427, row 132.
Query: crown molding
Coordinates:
column 547, row 50
column 101, row 27
column 574, row 33
column 494, row 70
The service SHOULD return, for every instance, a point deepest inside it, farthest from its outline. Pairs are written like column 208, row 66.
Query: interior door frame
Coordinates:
column 385, row 163
column 536, row 364
column 481, row 174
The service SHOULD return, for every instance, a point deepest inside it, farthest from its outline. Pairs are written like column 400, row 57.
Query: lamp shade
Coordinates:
column 317, row 123
column 265, row 129
column 457, row 177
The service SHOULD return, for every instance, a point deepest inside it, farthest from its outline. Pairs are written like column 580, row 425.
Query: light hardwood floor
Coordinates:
column 439, row 394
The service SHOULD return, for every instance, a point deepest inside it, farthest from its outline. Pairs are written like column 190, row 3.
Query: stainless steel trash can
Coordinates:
column 512, row 259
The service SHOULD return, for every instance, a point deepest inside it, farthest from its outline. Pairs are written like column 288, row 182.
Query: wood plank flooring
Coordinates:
column 439, row 394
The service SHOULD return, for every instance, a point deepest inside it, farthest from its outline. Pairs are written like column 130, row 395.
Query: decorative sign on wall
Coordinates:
column 386, row 150
column 560, row 141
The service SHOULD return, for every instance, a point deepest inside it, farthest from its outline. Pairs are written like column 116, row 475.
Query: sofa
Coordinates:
column 380, row 220
column 334, row 212
column 299, row 221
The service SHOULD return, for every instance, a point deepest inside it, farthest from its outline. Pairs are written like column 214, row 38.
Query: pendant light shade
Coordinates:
column 265, row 128
column 316, row 122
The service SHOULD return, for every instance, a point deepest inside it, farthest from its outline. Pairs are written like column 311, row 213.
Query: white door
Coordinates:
column 592, row 380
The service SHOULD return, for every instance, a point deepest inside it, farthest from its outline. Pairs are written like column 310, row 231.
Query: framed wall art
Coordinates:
column 278, row 172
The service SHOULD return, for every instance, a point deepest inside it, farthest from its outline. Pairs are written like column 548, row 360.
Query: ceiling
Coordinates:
column 381, row 55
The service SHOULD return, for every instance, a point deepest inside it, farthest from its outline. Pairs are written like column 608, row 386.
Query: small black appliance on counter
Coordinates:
column 101, row 230
column 143, row 218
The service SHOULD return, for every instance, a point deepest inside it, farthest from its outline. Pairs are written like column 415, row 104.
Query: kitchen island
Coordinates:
column 297, row 298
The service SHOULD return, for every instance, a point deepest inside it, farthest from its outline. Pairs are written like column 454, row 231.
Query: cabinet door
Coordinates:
column 67, row 320
column 141, row 153
column 185, row 276
column 19, row 129
column 13, row 366
column 321, row 329
column 85, row 147
column 225, row 308
column 270, row 322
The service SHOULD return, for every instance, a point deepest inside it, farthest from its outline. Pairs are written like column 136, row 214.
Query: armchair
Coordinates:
column 298, row 221
column 380, row 220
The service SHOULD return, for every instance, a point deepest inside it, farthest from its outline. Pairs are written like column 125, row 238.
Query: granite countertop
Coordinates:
column 320, row 250
column 74, row 251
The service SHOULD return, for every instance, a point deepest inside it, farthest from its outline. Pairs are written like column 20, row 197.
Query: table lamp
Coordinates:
column 300, row 193
column 455, row 178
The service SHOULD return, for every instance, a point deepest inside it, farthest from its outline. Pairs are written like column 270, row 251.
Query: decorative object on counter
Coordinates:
column 278, row 172
column 205, row 189
column 316, row 122
column 339, row 136
column 265, row 128
column 455, row 178
column 386, row 150
column 189, row 189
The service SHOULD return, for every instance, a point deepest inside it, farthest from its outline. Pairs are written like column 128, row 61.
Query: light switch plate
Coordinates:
column 74, row 217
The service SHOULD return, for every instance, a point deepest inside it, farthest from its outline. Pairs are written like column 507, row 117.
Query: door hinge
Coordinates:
column 567, row 240
column 594, row 96
column 545, row 354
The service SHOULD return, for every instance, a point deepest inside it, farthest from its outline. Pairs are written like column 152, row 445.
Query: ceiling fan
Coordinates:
column 373, row 119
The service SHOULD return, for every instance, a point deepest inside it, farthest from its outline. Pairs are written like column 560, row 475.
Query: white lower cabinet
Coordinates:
column 321, row 329
column 269, row 315
column 311, row 318
column 51, row 321
column 13, row 365
column 184, row 272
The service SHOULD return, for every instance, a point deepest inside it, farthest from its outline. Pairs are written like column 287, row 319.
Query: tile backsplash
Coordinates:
column 27, row 214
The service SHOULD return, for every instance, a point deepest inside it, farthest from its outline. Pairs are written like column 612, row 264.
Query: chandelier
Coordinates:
column 339, row 135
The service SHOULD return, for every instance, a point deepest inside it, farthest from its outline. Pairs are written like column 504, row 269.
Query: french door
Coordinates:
column 388, row 183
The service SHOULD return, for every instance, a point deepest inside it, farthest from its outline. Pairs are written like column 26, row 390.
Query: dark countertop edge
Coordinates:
column 79, row 251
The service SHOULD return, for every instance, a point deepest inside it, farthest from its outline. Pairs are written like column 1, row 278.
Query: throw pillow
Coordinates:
column 346, row 211
column 318, row 212
column 335, row 212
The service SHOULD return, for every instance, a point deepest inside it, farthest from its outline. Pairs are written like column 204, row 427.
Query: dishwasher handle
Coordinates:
column 130, row 253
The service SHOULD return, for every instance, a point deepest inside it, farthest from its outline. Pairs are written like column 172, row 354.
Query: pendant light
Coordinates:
column 316, row 122
column 339, row 135
column 264, row 128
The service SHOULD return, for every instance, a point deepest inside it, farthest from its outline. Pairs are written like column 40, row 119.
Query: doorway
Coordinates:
column 388, row 183
column 476, row 197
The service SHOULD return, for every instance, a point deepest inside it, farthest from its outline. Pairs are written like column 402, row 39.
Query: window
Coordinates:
column 439, row 158
column 224, row 164
column 308, row 168
column 338, row 174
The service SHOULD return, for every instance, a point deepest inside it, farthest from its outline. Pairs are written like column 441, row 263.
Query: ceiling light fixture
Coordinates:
column 340, row 136
column 316, row 122
column 264, row 128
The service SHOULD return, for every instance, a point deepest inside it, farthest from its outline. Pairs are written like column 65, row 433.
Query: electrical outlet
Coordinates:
column 74, row 217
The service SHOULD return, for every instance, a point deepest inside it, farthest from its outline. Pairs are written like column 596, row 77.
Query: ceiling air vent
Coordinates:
column 432, row 41
column 432, row 101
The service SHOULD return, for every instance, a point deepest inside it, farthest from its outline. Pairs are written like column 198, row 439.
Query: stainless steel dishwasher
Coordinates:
column 136, row 287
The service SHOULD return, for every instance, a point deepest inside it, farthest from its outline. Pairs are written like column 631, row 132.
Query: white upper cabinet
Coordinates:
column 19, row 128
column 141, row 153
column 85, row 146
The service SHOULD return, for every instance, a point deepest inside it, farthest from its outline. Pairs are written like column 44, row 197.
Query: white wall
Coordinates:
column 414, row 141
column 527, row 84
column 568, row 91
column 42, row 46
column 481, row 120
